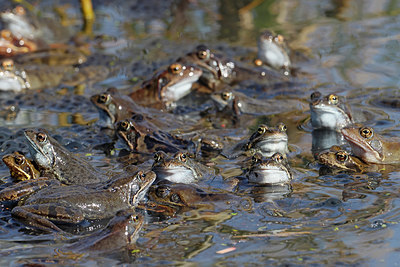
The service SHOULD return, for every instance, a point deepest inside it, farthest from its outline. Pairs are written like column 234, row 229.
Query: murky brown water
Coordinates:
column 351, row 48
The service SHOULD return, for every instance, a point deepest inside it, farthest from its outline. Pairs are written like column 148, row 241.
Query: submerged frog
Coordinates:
column 272, row 170
column 329, row 112
column 121, row 232
column 75, row 203
column 186, row 196
column 370, row 146
column 144, row 137
column 273, row 51
column 114, row 107
column 179, row 168
column 167, row 86
column 21, row 168
column 238, row 104
column 341, row 159
column 56, row 161
column 268, row 140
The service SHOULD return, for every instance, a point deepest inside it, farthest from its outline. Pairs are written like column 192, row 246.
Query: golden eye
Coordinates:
column 8, row 64
column 41, row 137
column 226, row 95
column 202, row 54
column 19, row 160
column 162, row 191
column 261, row 129
column 124, row 125
column 104, row 98
column 175, row 68
column 182, row 157
column 366, row 132
column 342, row 156
column 175, row 198
column 278, row 157
column 281, row 127
column 333, row 99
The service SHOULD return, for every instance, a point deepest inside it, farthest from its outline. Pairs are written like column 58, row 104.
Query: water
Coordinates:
column 350, row 48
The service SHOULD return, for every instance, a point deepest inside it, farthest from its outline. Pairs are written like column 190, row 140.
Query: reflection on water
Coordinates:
column 346, row 47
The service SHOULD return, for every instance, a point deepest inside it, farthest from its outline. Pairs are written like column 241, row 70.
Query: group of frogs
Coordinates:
column 55, row 188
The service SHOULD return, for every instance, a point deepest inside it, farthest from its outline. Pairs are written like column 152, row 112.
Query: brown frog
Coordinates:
column 272, row 170
column 58, row 204
column 341, row 159
column 370, row 146
column 56, row 161
column 144, row 137
column 179, row 168
column 21, row 168
column 268, row 140
column 167, row 86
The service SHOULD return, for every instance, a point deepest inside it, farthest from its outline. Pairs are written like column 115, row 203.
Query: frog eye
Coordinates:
column 314, row 96
column 162, row 191
column 142, row 175
column 202, row 54
column 226, row 95
column 261, row 129
column 182, row 157
column 104, row 98
column 366, row 132
column 175, row 68
column 41, row 137
column 175, row 198
column 333, row 99
column 19, row 160
column 8, row 64
column 124, row 125
column 281, row 127
column 280, row 38
column 278, row 157
column 342, row 156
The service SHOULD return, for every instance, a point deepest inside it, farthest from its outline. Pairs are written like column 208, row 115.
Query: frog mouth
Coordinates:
column 331, row 117
column 269, row 174
column 175, row 174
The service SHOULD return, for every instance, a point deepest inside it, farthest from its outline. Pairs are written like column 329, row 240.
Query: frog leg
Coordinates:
column 41, row 215
column 25, row 188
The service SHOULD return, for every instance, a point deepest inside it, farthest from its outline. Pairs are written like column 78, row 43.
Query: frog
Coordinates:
column 50, row 206
column 12, row 79
column 370, row 146
column 216, row 69
column 167, row 86
column 274, row 52
column 237, row 103
column 273, row 170
column 121, row 232
column 57, row 162
column 21, row 168
column 20, row 23
column 329, row 112
column 178, row 168
column 186, row 196
column 339, row 158
column 10, row 45
column 114, row 106
column 268, row 140
column 144, row 137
